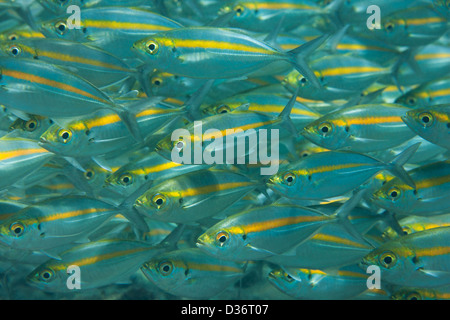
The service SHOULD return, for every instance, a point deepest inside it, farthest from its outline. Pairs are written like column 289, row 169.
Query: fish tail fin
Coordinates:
column 129, row 119
column 343, row 213
column 395, row 166
column 406, row 56
column 299, row 55
column 284, row 116
column 128, row 211
column 195, row 101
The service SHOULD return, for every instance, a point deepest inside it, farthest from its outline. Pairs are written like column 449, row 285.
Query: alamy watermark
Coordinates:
column 374, row 21
column 227, row 147
column 374, row 281
column 74, row 20
column 74, row 279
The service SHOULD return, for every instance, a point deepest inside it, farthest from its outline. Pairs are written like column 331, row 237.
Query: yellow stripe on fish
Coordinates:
column 208, row 189
column 51, row 83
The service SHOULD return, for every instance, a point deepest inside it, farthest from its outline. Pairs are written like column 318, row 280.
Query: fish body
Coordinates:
column 429, row 197
column 191, row 273
column 362, row 128
column 419, row 259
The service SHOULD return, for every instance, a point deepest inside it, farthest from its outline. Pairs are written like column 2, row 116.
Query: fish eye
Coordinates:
column 179, row 144
column 17, row 229
column 61, row 27
column 31, row 125
column 302, row 80
column 413, row 296
column 64, row 135
column 159, row 200
column 389, row 26
column 288, row 277
column 223, row 109
column 12, row 37
column 89, row 174
column 46, row 275
column 157, row 81
column 426, row 119
column 406, row 230
column 15, row 50
column 165, row 268
column 152, row 47
column 222, row 237
column 126, row 179
column 325, row 128
column 388, row 259
column 394, row 193
column 411, row 101
column 289, row 178
column 239, row 10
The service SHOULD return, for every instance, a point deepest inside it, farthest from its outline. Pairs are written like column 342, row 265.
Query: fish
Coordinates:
column 123, row 25
column 152, row 166
column 363, row 128
column 266, row 231
column 263, row 15
column 53, row 92
column 54, row 222
column 191, row 273
column 20, row 157
column 341, row 76
column 431, row 123
column 427, row 94
column 408, row 293
column 427, row 198
column 414, row 26
column 418, row 259
column 99, row 67
column 100, row 263
column 314, row 284
column 203, row 52
column 310, row 177
column 104, row 131
column 185, row 198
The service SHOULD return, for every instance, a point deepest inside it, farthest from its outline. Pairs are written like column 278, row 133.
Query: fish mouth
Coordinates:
column 42, row 140
column 200, row 243
column 272, row 275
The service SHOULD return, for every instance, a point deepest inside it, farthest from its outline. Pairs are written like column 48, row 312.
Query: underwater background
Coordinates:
column 123, row 174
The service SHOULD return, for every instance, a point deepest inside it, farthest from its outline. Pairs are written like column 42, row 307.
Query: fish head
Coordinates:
column 243, row 12
column 157, row 204
column 58, row 28
column 45, row 277
column 63, row 140
column 420, row 121
column 393, row 257
column 175, row 145
column 124, row 181
column 287, row 183
column 223, row 241
column 326, row 132
column 283, row 281
column 20, row 231
column 165, row 271
column 32, row 128
column 16, row 50
column 295, row 79
column 407, row 294
column 410, row 99
column 157, row 49
column 395, row 196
